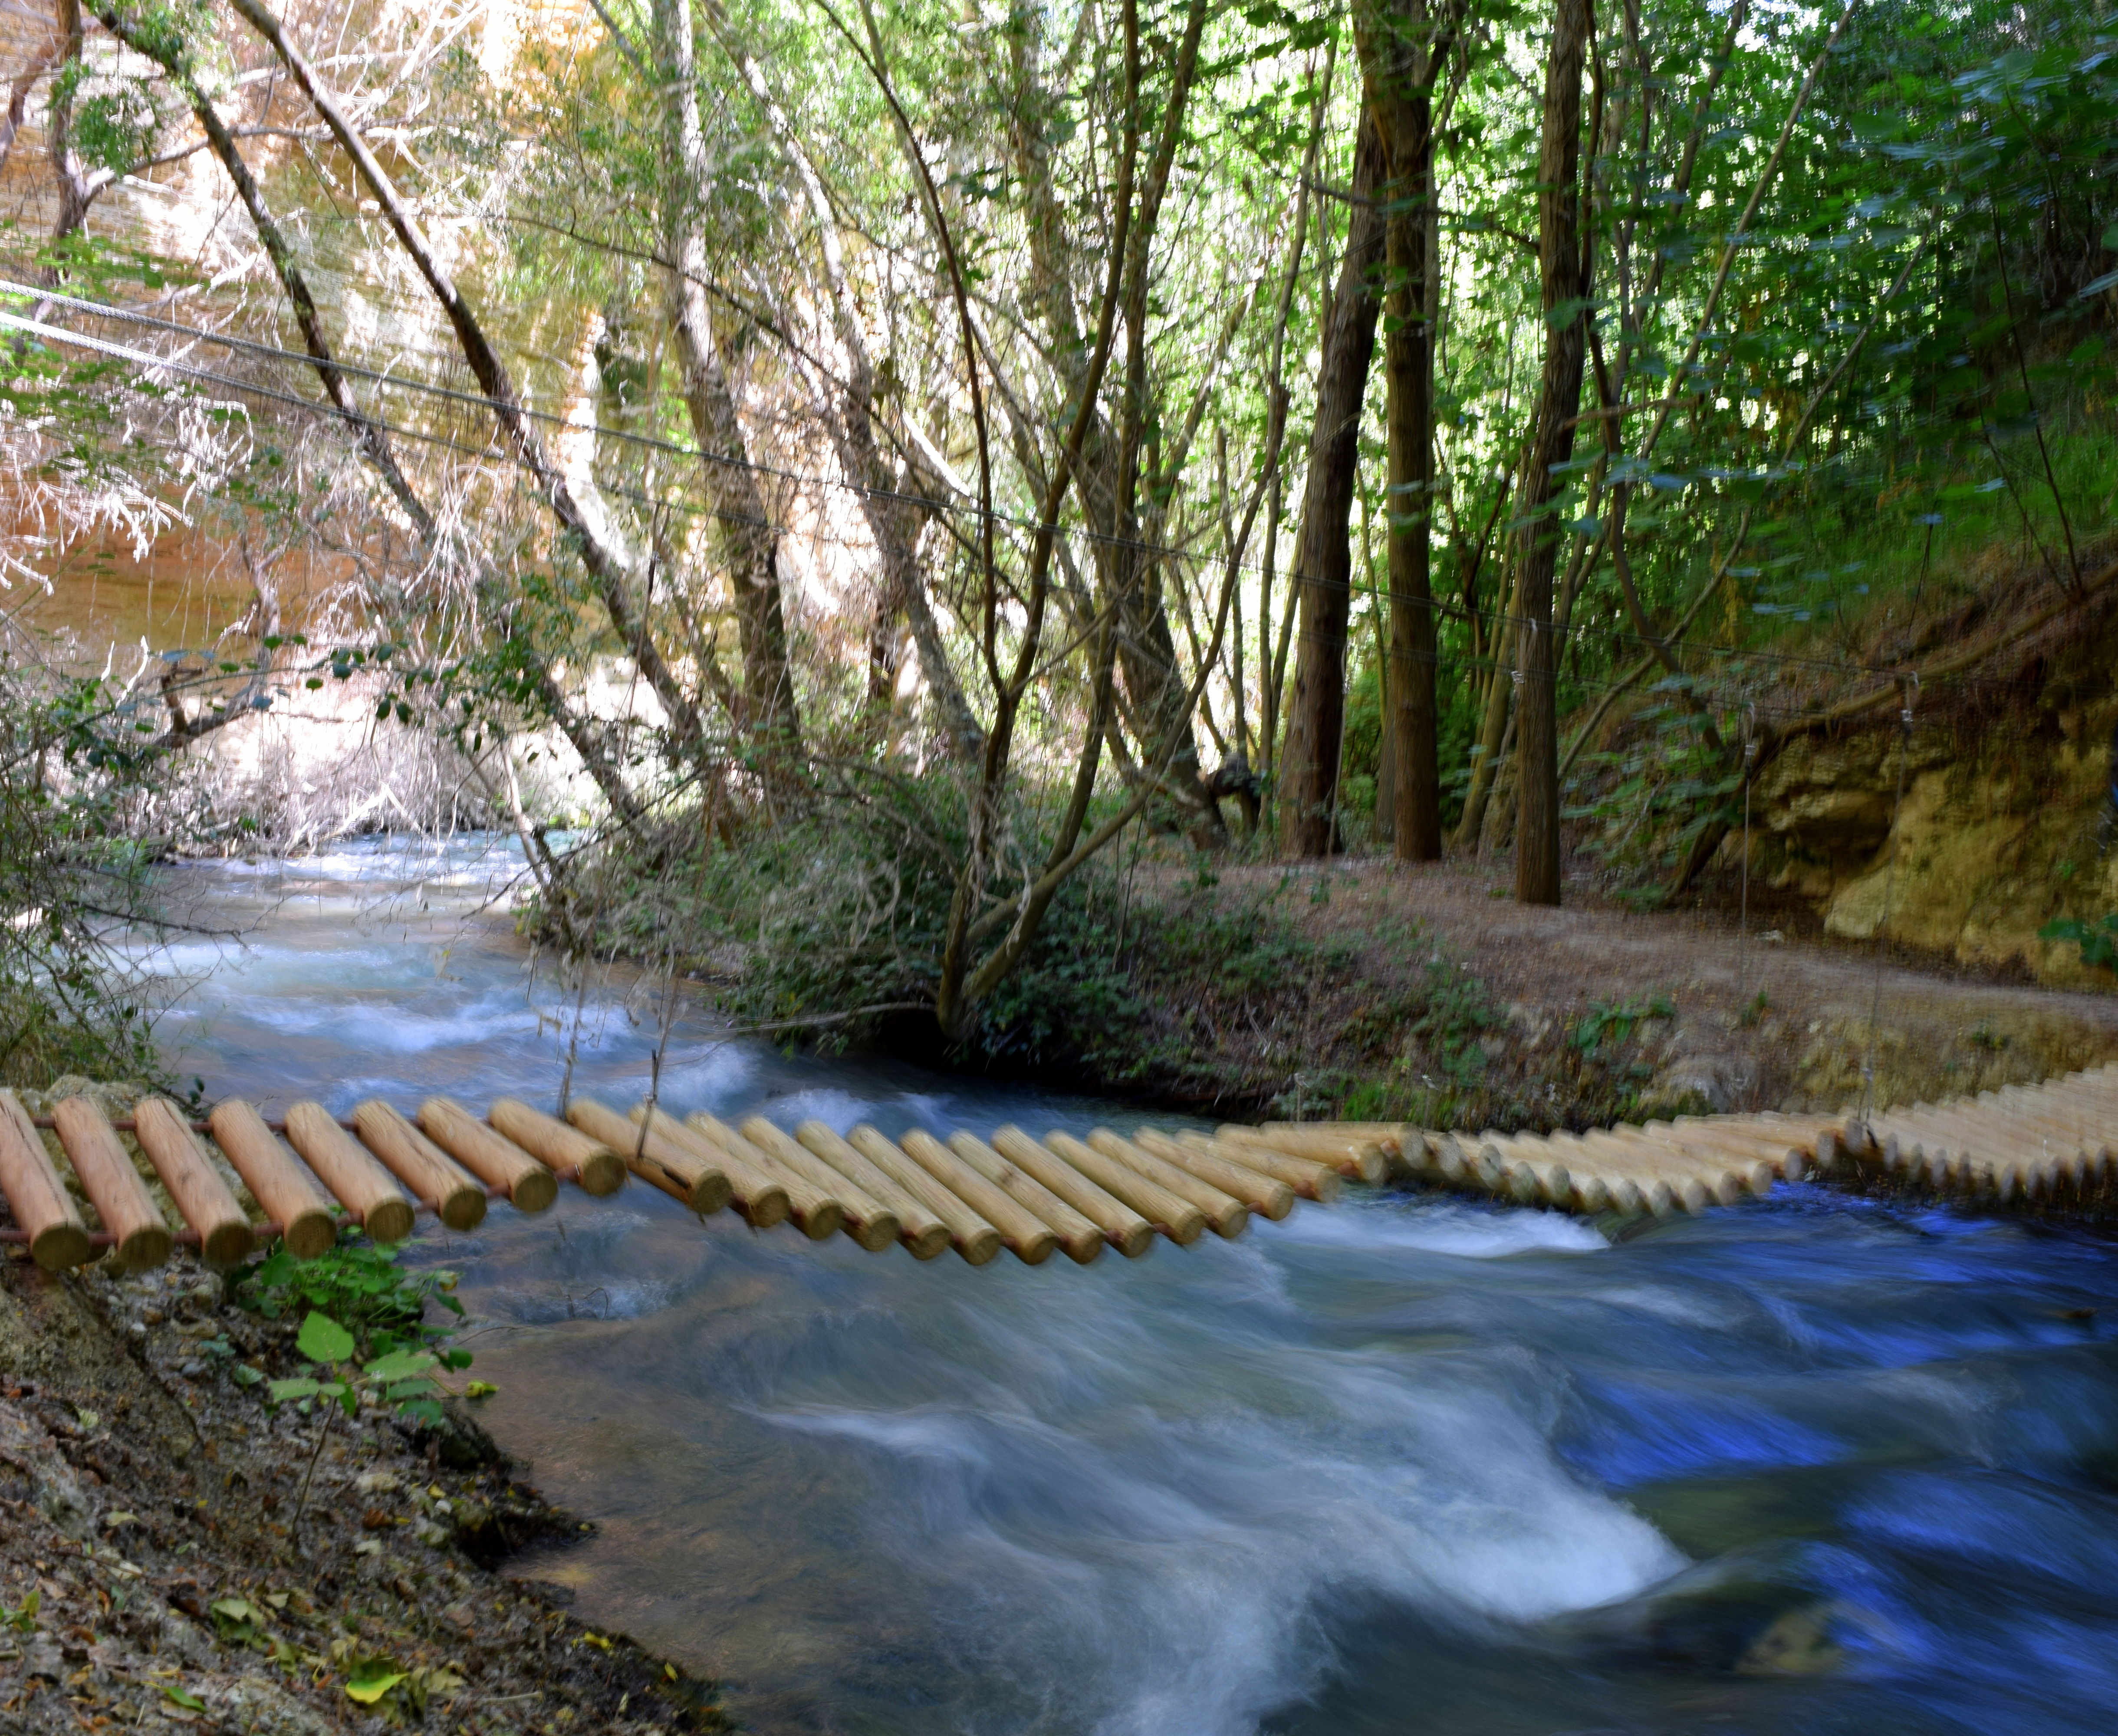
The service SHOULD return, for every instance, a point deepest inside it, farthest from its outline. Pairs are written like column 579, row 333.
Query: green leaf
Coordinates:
column 302, row 1388
column 183, row 1697
column 323, row 1340
column 371, row 1680
column 400, row 1365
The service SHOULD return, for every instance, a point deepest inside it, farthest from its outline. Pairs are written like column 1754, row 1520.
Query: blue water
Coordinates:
column 1398, row 1465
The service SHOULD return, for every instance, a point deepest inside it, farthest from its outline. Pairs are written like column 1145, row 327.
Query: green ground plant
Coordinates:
column 2098, row 941
column 357, row 1285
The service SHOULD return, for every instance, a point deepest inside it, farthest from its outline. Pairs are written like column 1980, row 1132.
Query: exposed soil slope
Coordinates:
column 152, row 1573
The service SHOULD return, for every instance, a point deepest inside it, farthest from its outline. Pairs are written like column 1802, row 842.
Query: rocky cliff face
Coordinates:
column 2006, row 819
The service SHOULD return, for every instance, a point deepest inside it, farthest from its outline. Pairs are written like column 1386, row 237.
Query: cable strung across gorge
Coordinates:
column 269, row 352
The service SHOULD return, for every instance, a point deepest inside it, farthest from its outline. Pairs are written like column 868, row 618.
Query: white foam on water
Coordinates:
column 1686, row 1308
column 840, row 1111
column 1158, row 1544
column 1435, row 1227
column 393, row 1030
column 707, row 1080
column 925, row 1109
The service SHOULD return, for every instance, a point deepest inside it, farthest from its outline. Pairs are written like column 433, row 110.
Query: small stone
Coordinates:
column 152, row 1317
column 193, row 1370
column 459, row 1615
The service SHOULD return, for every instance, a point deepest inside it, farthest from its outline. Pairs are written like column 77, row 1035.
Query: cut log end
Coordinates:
column 537, row 1191
column 821, row 1222
column 310, row 1232
column 389, row 1221
column 877, row 1235
column 929, row 1241
column 1133, row 1241
column 980, row 1247
column 227, row 1244
column 713, row 1192
column 600, row 1174
column 464, row 1210
column 489, row 1155
column 59, row 1248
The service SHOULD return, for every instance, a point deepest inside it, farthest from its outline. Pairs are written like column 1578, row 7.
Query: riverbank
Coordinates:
column 158, row 1566
column 1366, row 989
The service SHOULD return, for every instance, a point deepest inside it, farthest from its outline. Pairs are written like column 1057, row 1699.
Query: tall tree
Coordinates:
column 1563, row 269
column 1118, row 487
column 1323, row 552
column 749, row 540
column 1404, row 45
column 891, row 497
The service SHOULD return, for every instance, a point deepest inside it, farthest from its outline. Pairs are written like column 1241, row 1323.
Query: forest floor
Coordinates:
column 154, row 1572
column 1428, row 993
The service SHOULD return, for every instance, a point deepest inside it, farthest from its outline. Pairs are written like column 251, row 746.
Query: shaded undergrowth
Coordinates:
column 1152, row 978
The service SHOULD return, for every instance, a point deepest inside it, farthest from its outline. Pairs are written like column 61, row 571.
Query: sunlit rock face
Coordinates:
column 2003, row 824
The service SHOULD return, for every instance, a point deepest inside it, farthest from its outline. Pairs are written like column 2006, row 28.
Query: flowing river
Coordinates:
column 1399, row 1464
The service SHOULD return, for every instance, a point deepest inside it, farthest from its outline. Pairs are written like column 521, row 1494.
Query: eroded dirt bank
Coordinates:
column 1427, row 994
column 153, row 1571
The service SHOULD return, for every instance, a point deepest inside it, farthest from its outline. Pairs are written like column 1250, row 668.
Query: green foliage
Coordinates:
column 842, row 907
column 2098, row 941
column 1124, row 983
column 73, row 874
column 397, row 1691
column 401, row 1378
column 114, row 119
column 23, row 1618
column 323, row 1340
column 1614, row 1021
column 364, row 1325
column 1447, row 1015
column 1457, row 1012
column 354, row 1282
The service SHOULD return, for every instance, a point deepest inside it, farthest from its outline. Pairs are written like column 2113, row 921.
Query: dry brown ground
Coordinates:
column 1938, row 1029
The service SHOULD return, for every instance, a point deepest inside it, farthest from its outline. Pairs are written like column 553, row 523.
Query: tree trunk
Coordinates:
column 895, row 520
column 1408, row 356
column 1565, row 338
column 749, row 541
column 1497, row 714
column 1323, row 555
column 78, row 186
column 1129, row 574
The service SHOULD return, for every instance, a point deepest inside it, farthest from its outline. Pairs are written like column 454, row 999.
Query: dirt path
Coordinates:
column 1937, row 1031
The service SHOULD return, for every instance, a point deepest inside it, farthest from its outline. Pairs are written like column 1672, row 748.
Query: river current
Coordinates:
column 1401, row 1465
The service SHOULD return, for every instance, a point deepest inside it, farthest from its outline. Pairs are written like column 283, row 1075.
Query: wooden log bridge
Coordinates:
column 2047, row 1147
